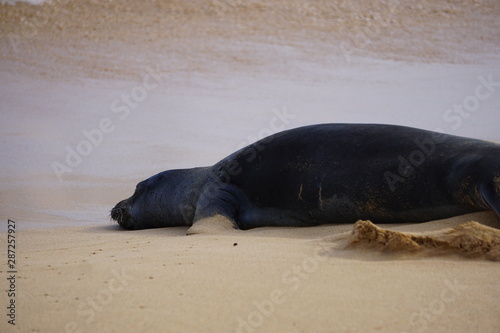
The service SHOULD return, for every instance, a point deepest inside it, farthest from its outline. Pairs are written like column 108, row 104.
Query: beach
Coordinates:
column 97, row 96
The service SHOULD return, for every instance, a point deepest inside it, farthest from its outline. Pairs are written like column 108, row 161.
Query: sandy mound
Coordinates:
column 470, row 239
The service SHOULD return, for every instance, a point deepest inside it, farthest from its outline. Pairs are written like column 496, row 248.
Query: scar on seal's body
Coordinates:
column 299, row 196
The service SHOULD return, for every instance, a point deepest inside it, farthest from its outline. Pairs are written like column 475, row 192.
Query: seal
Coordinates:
column 327, row 173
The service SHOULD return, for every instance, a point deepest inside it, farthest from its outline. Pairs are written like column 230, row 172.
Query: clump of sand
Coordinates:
column 470, row 239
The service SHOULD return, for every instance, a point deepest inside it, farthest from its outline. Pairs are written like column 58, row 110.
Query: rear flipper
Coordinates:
column 490, row 193
column 217, row 211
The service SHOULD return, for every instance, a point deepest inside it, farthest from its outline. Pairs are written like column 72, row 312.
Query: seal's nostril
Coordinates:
column 118, row 212
column 121, row 214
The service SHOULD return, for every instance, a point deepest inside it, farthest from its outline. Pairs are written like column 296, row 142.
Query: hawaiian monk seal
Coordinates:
column 328, row 173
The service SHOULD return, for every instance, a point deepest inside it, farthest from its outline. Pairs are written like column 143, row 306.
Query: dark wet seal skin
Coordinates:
column 329, row 173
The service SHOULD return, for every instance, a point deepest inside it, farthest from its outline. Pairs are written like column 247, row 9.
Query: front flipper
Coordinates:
column 217, row 211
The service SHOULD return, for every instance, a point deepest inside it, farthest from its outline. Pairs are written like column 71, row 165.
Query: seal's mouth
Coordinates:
column 121, row 214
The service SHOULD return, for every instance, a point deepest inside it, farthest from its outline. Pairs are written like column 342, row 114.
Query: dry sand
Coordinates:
column 140, row 87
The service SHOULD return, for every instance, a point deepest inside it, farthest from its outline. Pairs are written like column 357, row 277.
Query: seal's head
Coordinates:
column 137, row 211
column 154, row 204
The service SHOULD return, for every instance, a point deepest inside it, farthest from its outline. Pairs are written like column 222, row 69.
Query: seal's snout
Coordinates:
column 121, row 214
column 117, row 213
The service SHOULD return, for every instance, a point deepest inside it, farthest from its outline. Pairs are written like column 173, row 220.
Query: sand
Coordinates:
column 98, row 95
